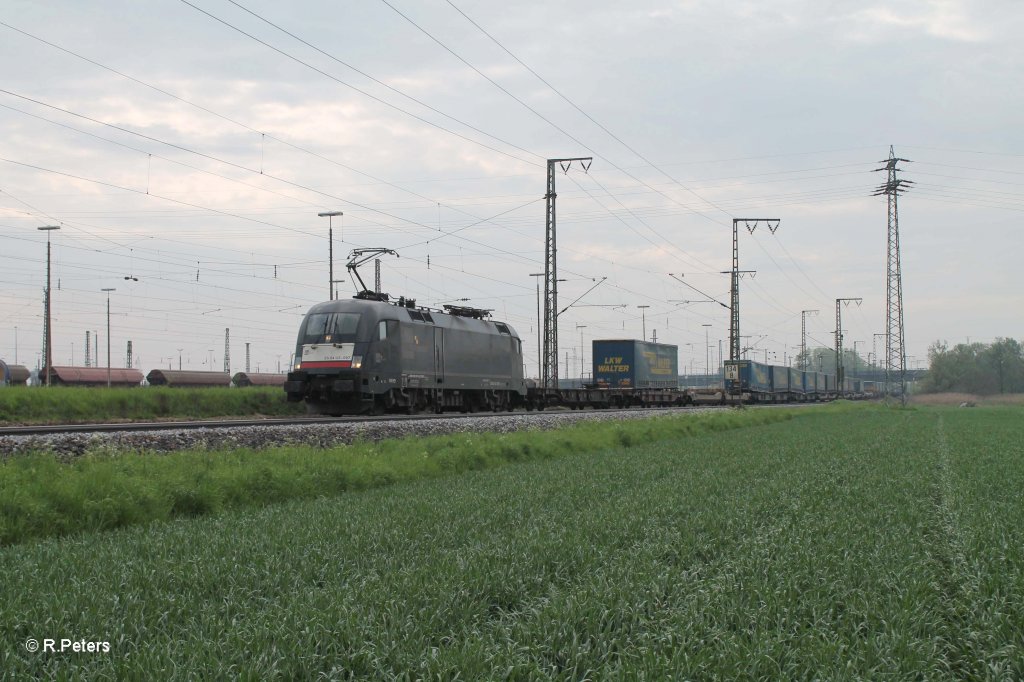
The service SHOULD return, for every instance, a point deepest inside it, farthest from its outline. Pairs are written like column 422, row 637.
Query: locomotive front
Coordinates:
column 333, row 339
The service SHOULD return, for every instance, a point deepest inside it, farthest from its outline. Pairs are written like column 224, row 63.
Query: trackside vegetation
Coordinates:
column 74, row 404
column 43, row 496
column 863, row 543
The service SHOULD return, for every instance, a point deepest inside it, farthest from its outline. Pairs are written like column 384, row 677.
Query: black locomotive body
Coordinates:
column 358, row 356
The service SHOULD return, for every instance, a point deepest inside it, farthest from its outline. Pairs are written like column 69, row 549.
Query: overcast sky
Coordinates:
column 191, row 146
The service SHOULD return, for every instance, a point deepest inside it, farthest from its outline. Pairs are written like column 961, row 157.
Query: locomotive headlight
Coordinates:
column 357, row 361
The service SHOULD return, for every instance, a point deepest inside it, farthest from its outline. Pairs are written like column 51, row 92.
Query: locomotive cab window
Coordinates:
column 387, row 329
column 331, row 328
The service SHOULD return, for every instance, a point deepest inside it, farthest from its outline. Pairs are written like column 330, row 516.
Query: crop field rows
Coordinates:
column 842, row 543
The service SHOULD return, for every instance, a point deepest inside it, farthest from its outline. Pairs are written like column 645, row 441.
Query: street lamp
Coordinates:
column 108, row 290
column 540, row 353
column 330, row 248
column 48, row 340
column 643, row 320
column 707, row 347
column 581, row 327
column 179, row 358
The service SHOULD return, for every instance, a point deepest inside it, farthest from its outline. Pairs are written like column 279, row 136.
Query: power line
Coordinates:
column 380, row 82
column 577, row 108
column 359, row 90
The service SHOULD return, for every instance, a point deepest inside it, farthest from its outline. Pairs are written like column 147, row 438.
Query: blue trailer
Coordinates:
column 814, row 383
column 780, row 382
column 748, row 377
column 796, row 383
column 629, row 363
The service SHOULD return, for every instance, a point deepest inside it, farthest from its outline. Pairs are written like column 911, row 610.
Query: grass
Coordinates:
column 955, row 399
column 859, row 543
column 70, row 405
column 42, row 496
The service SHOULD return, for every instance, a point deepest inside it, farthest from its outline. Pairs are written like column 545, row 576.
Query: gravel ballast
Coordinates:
column 70, row 445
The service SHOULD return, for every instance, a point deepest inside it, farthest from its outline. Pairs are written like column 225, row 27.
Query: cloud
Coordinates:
column 945, row 19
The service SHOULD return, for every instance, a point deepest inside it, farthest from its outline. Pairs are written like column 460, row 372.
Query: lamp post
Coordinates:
column 179, row 358
column 330, row 248
column 707, row 352
column 48, row 337
column 108, row 290
column 540, row 352
column 583, row 356
column 643, row 320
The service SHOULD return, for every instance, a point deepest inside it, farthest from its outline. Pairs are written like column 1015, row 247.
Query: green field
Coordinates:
column 73, row 404
column 860, row 543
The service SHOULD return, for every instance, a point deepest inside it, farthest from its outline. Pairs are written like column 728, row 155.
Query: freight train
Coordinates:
column 370, row 355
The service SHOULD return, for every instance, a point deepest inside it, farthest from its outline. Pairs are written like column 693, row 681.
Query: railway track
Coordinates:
column 57, row 429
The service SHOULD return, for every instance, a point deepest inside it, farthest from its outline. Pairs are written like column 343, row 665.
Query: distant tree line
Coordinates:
column 824, row 360
column 982, row 369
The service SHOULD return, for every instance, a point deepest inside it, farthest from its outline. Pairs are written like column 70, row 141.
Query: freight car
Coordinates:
column 13, row 375
column 93, row 376
column 187, row 378
column 247, row 379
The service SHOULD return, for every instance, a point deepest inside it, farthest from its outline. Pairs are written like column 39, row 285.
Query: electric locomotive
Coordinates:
column 368, row 355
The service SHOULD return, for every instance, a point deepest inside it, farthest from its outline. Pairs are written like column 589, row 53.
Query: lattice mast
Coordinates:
column 895, row 349
column 840, row 370
column 88, row 350
column 227, row 350
column 803, row 337
column 736, row 273
column 549, row 374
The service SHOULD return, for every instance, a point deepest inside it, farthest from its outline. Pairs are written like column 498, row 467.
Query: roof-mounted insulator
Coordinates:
column 463, row 311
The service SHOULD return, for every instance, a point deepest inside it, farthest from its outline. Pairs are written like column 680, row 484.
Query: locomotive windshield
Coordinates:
column 331, row 328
